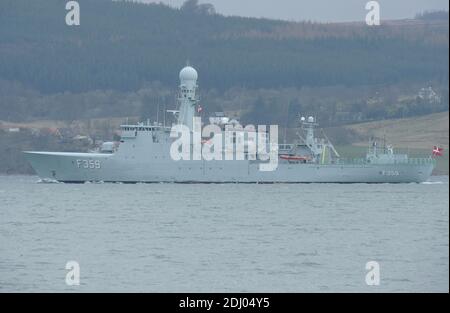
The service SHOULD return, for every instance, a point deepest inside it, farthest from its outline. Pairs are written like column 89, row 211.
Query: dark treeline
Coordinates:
column 124, row 55
column 121, row 45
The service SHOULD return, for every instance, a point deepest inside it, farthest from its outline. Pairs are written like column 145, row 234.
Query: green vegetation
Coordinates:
column 120, row 45
column 104, row 67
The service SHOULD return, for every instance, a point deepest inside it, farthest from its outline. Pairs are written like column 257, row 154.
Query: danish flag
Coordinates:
column 437, row 151
column 199, row 109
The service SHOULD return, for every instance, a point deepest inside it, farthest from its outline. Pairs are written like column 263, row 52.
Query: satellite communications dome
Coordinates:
column 188, row 74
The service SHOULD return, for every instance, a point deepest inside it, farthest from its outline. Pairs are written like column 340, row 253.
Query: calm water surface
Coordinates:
column 220, row 238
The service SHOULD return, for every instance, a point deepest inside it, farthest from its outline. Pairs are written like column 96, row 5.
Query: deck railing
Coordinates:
column 363, row 161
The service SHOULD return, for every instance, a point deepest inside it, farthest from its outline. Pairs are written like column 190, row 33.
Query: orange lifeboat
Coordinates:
column 288, row 157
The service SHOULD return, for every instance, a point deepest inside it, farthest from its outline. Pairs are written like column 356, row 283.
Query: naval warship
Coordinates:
column 143, row 156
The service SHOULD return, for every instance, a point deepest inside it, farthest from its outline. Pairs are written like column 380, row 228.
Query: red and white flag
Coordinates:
column 199, row 109
column 437, row 151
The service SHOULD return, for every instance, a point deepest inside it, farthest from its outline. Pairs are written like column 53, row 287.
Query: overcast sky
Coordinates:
column 318, row 10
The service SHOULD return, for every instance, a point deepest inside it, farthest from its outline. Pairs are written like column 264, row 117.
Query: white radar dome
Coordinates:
column 188, row 74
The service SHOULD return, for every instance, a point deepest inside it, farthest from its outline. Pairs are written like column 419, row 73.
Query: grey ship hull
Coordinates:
column 130, row 168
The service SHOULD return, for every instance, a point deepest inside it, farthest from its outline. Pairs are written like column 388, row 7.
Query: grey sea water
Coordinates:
column 223, row 238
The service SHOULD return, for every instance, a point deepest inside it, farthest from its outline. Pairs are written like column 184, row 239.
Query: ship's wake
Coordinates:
column 434, row 183
column 48, row 181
